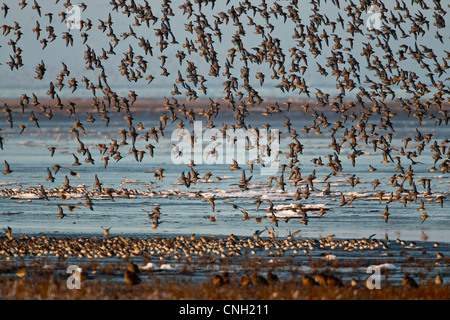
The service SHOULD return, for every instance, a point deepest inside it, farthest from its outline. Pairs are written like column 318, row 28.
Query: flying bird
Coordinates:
column 7, row 168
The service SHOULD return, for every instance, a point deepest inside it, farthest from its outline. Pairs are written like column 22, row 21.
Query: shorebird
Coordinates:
column 69, row 207
column 7, row 168
column 438, row 280
column 211, row 200
column 272, row 278
column 106, row 231
column 258, row 280
column 293, row 234
column 8, row 232
column 218, row 280
column 132, row 275
column 22, row 272
column 76, row 162
column 245, row 281
column 211, row 218
column 49, row 176
column 185, row 180
column 221, row 279
column 409, row 282
column 375, row 183
column 344, row 201
column 61, row 213
column 235, row 165
column 422, row 206
column 321, row 212
column 424, row 217
column 386, row 214
column 257, row 233
column 98, row 184
column 52, row 151
column 308, row 281
column 440, row 199
column 272, row 233
column 88, row 202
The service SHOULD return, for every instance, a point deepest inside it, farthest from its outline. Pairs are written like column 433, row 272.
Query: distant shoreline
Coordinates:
column 157, row 105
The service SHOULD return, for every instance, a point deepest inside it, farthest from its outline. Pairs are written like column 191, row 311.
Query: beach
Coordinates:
column 38, row 268
column 281, row 150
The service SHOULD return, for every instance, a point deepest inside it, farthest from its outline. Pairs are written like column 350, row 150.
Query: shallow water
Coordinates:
column 182, row 213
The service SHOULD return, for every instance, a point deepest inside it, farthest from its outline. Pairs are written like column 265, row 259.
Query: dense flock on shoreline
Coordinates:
column 394, row 67
column 289, row 268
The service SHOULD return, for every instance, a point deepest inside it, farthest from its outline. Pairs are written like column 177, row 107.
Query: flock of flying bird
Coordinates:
column 377, row 74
